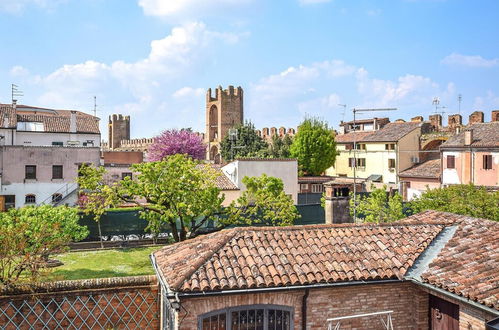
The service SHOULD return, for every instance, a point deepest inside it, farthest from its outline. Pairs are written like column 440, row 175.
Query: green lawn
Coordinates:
column 103, row 263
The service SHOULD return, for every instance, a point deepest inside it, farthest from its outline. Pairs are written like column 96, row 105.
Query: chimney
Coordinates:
column 72, row 122
column 468, row 137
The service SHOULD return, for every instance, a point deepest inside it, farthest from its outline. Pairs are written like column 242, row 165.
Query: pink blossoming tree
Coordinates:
column 171, row 142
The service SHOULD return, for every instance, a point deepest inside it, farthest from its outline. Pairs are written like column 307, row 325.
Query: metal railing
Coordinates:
column 64, row 191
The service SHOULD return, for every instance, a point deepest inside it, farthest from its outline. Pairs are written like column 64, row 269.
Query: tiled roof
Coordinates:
column 428, row 169
column 484, row 135
column 392, row 132
column 314, row 179
column 365, row 121
column 7, row 116
column 468, row 264
column 256, row 257
column 350, row 137
column 57, row 121
column 222, row 181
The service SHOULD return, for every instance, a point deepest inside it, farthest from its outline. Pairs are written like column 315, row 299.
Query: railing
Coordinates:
column 65, row 191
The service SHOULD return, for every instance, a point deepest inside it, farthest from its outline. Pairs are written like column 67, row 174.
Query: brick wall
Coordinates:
column 410, row 305
column 89, row 304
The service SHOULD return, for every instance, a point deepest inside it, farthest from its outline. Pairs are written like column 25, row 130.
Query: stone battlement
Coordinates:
column 270, row 132
column 220, row 93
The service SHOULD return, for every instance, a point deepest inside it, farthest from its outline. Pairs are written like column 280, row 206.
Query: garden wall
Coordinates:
column 112, row 303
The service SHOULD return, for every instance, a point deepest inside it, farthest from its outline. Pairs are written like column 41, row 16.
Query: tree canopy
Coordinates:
column 378, row 206
column 247, row 143
column 171, row 142
column 29, row 235
column 314, row 147
column 180, row 195
column 466, row 199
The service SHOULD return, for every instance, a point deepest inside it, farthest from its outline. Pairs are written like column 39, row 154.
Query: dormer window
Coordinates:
column 30, row 126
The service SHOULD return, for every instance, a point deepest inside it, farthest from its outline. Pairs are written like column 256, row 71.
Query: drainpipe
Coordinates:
column 304, row 310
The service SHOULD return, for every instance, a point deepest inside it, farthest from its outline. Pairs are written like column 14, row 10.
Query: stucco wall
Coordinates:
column 469, row 168
column 286, row 170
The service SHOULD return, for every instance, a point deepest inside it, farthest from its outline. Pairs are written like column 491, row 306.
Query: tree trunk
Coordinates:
column 100, row 235
column 173, row 226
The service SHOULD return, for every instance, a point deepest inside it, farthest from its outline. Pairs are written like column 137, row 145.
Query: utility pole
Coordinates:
column 344, row 110
column 355, row 111
column 459, row 99
column 95, row 106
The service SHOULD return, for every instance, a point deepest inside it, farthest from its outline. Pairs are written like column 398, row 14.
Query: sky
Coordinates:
column 155, row 59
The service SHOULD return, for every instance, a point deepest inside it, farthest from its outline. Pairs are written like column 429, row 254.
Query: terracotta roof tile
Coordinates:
column 391, row 132
column 296, row 255
column 484, row 135
column 351, row 136
column 468, row 264
column 222, row 181
column 428, row 169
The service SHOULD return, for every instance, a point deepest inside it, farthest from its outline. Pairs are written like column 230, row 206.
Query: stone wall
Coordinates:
column 127, row 302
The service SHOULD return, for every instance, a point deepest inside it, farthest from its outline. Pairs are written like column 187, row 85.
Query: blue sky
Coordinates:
column 154, row 59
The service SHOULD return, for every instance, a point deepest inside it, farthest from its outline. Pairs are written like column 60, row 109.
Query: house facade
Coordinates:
column 472, row 156
column 432, row 270
column 282, row 168
column 41, row 151
column 419, row 178
column 378, row 156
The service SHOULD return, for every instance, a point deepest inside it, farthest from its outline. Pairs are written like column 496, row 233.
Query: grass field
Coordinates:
column 103, row 263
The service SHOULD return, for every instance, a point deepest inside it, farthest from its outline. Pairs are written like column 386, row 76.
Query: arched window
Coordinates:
column 56, row 198
column 261, row 317
column 30, row 199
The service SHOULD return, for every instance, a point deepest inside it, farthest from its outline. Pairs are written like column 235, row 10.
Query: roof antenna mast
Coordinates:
column 15, row 92
column 95, row 106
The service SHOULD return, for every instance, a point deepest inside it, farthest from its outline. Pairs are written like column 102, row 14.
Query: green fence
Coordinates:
column 128, row 222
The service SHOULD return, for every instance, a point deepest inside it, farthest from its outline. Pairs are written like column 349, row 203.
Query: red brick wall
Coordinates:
column 410, row 305
column 92, row 304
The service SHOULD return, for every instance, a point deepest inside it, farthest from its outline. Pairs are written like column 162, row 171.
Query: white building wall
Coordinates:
column 286, row 170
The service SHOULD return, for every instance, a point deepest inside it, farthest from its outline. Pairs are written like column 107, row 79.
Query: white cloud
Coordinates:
column 311, row 2
column 132, row 87
column 487, row 101
column 318, row 88
column 188, row 8
column 188, row 92
column 19, row 71
column 470, row 60
column 17, row 6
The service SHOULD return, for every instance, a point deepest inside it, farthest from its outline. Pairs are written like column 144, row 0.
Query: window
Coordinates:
column 361, row 162
column 57, row 172
column 30, row 172
column 30, row 199
column 10, row 201
column 451, row 161
column 57, row 143
column 360, row 146
column 56, row 198
column 30, row 126
column 317, row 188
column 88, row 143
column 126, row 174
column 349, row 146
column 391, row 163
column 390, row 146
column 487, row 162
column 264, row 317
column 303, row 186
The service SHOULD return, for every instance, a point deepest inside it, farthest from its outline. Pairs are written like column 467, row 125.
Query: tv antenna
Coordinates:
column 344, row 110
column 459, row 99
column 436, row 103
column 15, row 92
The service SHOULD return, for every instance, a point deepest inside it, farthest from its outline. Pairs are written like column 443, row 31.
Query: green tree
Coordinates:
column 263, row 202
column 29, row 235
column 378, row 206
column 466, row 199
column 181, row 195
column 314, row 147
column 95, row 196
column 279, row 147
column 247, row 143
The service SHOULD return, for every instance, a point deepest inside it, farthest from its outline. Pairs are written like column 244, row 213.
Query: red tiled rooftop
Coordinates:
column 428, row 169
column 256, row 257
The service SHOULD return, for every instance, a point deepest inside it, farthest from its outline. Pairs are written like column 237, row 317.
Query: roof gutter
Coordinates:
column 286, row 288
column 457, row 297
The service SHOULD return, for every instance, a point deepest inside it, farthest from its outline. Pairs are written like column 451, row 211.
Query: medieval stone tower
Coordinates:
column 119, row 129
column 224, row 111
